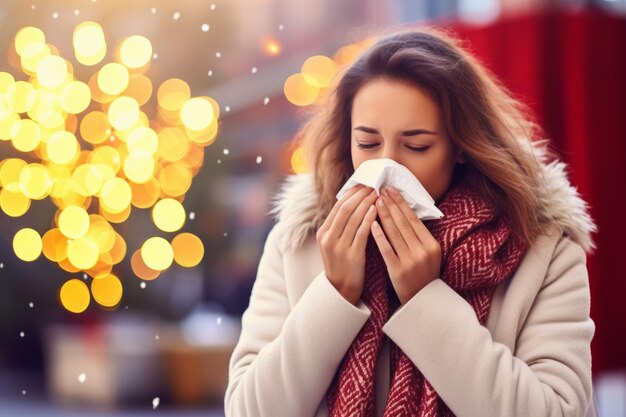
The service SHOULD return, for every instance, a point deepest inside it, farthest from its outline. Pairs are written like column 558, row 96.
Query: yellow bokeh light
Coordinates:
column 35, row 181
column 13, row 204
column 54, row 245
column 89, row 43
column 173, row 144
column 141, row 269
column 319, row 70
column 107, row 290
column 101, row 232
column 10, row 173
column 83, row 252
column 52, row 71
column 75, row 97
column 173, row 93
column 118, row 251
column 115, row 195
column 168, row 215
column 88, row 178
column 107, row 159
column 146, row 194
column 6, row 124
column 113, row 78
column 298, row 161
column 139, row 168
column 95, row 127
column 74, row 222
column 29, row 41
column 74, row 296
column 188, row 249
column 27, row 244
column 123, row 113
column 25, row 135
column 175, row 179
column 298, row 91
column 142, row 141
column 132, row 158
column 62, row 147
column 21, row 96
column 102, row 268
column 157, row 253
column 6, row 80
column 29, row 64
column 139, row 88
column 272, row 47
column 135, row 51
column 196, row 113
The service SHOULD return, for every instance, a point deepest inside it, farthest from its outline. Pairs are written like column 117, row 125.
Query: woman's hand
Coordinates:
column 417, row 257
column 342, row 239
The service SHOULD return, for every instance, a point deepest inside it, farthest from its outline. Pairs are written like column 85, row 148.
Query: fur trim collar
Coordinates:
column 295, row 205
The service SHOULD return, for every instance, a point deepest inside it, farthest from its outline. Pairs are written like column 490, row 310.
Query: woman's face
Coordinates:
column 400, row 121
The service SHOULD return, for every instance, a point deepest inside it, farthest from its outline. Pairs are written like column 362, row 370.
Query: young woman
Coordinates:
column 360, row 308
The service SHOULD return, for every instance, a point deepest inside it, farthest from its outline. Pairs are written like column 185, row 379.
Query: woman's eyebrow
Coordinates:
column 413, row 132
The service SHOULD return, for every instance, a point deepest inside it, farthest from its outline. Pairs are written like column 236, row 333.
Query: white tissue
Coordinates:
column 377, row 173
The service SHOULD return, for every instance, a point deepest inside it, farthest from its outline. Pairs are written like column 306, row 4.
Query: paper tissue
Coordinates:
column 377, row 173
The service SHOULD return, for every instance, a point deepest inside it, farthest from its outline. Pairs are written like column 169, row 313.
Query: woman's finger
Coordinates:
column 391, row 230
column 416, row 223
column 401, row 221
column 385, row 248
column 333, row 212
column 349, row 231
column 345, row 211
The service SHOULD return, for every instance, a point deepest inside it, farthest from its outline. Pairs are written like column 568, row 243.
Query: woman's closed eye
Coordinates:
column 372, row 145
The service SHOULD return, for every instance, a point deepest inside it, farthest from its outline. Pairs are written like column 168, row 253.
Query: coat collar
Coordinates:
column 295, row 205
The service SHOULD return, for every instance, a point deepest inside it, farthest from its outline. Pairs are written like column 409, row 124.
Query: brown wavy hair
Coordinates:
column 480, row 115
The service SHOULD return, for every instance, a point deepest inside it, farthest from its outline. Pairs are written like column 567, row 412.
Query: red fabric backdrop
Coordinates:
column 570, row 67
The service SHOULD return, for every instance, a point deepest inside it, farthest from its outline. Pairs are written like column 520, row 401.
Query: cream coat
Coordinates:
column 532, row 359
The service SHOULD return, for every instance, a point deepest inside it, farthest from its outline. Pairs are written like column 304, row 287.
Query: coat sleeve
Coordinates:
column 285, row 358
column 549, row 374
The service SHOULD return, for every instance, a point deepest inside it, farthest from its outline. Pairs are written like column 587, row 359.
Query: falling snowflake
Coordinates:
column 259, row 159
column 205, row 27
column 218, row 55
column 82, row 377
column 176, row 16
column 155, row 403
column 142, row 285
column 192, row 215
column 254, row 70
column 266, row 100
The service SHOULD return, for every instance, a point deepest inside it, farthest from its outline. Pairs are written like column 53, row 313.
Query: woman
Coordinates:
column 360, row 308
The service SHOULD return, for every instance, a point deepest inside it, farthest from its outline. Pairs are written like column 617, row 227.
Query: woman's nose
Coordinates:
column 389, row 152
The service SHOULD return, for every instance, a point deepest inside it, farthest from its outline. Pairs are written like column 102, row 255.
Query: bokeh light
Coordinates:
column 168, row 215
column 100, row 154
column 188, row 249
column 74, row 296
column 157, row 253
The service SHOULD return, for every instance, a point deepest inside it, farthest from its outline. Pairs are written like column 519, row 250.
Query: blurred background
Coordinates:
column 164, row 346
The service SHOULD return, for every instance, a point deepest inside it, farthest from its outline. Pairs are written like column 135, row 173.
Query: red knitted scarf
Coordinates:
column 478, row 251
